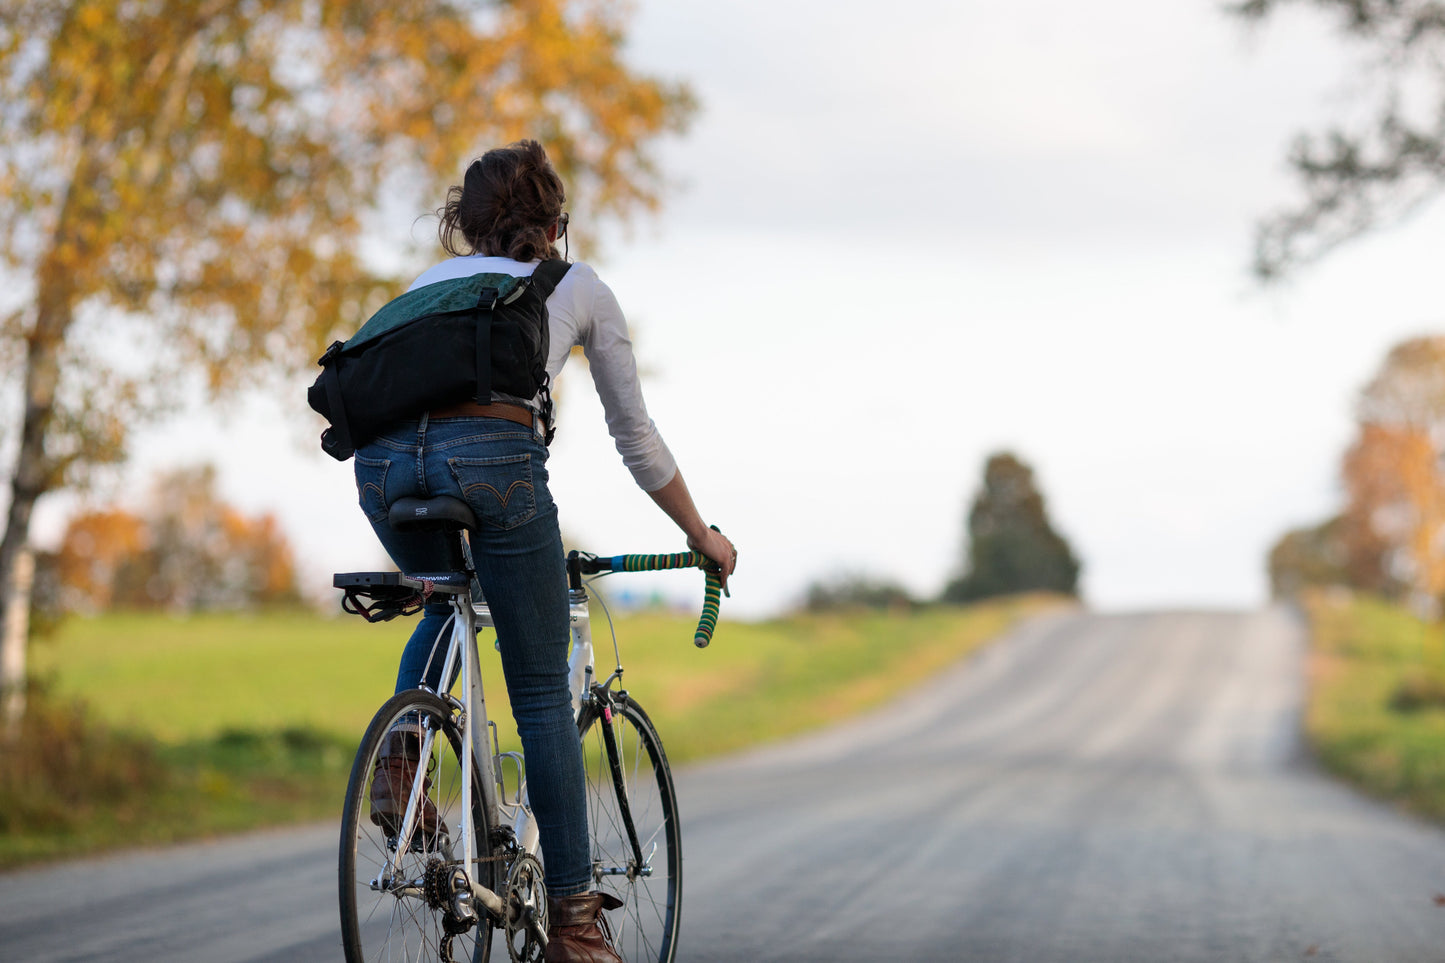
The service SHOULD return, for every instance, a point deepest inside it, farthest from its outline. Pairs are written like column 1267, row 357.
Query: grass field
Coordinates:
column 252, row 719
column 1376, row 712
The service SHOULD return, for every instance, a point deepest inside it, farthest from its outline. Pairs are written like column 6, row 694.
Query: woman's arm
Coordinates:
column 601, row 329
column 608, row 346
column 674, row 499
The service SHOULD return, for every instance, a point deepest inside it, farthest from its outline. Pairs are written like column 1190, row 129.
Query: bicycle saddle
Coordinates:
column 442, row 512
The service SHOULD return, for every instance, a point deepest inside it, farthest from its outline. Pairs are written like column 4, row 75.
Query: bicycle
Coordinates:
column 425, row 889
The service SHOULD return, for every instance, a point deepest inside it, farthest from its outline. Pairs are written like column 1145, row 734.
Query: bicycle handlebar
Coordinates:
column 712, row 592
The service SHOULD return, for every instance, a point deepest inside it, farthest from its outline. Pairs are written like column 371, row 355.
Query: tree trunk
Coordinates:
column 34, row 472
column 12, row 642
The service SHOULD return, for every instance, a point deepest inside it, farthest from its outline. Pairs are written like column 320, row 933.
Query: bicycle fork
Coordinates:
column 640, row 866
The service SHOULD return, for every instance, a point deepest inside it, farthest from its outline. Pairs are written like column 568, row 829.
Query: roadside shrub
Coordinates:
column 62, row 764
column 853, row 591
column 1376, row 709
column 1419, row 691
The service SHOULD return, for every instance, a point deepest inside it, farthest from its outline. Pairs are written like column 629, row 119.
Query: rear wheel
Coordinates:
column 397, row 895
column 629, row 780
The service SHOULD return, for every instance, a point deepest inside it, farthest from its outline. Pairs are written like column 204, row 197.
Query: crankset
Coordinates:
column 526, row 897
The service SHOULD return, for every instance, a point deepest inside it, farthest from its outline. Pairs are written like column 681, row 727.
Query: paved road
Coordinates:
column 1095, row 788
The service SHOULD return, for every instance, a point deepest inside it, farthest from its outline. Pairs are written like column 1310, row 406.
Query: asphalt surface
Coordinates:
column 1093, row 788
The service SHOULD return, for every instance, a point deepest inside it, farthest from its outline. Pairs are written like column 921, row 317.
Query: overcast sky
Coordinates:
column 906, row 235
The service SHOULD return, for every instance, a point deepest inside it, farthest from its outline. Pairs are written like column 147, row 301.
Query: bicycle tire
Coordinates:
column 379, row 925
column 645, row 928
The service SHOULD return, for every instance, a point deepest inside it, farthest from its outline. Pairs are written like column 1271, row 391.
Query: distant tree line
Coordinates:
column 1010, row 546
column 185, row 550
column 1389, row 538
column 857, row 590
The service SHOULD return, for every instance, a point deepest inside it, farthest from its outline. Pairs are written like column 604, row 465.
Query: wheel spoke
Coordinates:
column 645, row 927
column 396, row 922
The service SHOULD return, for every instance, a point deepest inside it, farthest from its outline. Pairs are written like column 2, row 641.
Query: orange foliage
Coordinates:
column 95, row 547
column 1394, row 522
column 1395, row 509
column 189, row 551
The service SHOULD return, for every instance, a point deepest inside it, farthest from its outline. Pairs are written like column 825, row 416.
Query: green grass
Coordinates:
column 183, row 679
column 1376, row 711
column 228, row 722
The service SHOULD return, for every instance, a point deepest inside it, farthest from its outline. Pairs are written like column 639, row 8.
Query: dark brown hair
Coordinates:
column 507, row 200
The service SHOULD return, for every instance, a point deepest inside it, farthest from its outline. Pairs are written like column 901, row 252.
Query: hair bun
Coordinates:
column 507, row 200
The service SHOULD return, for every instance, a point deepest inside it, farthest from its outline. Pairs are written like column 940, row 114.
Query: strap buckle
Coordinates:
column 548, row 415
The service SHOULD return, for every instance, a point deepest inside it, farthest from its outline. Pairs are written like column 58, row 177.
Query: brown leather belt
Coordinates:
column 471, row 409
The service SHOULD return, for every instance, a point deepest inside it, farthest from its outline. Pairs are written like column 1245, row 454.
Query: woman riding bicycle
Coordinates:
column 505, row 218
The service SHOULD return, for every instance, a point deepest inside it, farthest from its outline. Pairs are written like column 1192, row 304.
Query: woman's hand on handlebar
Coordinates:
column 716, row 546
column 674, row 499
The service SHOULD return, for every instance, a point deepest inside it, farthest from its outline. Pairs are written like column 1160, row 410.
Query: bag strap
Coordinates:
column 486, row 304
column 548, row 275
column 544, row 281
column 336, row 440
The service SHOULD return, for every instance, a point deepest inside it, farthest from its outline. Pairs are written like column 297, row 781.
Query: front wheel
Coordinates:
column 396, row 895
column 636, row 840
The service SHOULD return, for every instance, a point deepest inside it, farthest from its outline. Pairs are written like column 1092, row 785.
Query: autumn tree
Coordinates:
column 1392, row 474
column 1371, row 530
column 97, row 558
column 186, row 550
column 203, row 553
column 1390, row 537
column 184, row 185
column 1011, row 545
column 1308, row 557
column 1348, row 550
column 1353, row 177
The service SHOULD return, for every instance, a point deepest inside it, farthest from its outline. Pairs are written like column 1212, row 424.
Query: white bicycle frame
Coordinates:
column 467, row 618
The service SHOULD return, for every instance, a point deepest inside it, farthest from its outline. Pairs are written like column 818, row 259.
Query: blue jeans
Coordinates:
column 500, row 469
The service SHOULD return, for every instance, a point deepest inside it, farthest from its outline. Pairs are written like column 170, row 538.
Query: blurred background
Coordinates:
column 863, row 252
column 888, row 246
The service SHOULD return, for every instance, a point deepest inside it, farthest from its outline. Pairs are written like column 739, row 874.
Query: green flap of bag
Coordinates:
column 443, row 297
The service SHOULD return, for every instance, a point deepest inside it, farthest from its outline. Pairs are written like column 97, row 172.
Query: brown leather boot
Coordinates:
column 577, row 932
column 391, row 784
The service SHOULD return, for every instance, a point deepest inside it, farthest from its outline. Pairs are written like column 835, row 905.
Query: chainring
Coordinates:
column 526, row 910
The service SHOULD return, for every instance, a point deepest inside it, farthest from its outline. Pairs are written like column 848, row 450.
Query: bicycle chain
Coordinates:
column 437, row 889
column 436, row 885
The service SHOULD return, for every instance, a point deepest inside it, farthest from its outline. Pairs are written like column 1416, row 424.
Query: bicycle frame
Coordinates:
column 468, row 853
column 467, row 618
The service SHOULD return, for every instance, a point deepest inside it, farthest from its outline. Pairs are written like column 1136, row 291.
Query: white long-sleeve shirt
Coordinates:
column 584, row 311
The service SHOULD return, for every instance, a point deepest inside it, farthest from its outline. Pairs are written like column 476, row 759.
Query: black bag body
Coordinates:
column 440, row 344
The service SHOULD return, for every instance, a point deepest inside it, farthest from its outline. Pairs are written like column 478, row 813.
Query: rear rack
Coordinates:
column 393, row 593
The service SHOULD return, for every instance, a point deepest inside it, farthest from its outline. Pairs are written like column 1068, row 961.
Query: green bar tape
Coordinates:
column 708, row 622
column 656, row 563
